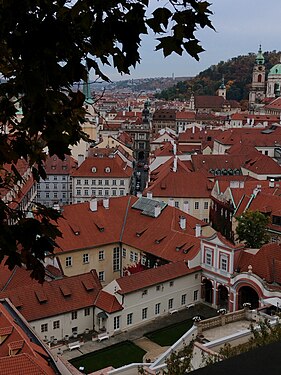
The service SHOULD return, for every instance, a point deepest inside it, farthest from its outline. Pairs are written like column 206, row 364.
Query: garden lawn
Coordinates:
column 167, row 336
column 116, row 355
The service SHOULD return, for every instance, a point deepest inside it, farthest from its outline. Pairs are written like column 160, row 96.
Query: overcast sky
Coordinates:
column 241, row 25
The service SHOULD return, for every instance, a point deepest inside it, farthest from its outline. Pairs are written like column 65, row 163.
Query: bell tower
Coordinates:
column 257, row 91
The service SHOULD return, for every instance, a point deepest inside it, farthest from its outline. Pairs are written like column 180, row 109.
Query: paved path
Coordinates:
column 139, row 332
column 152, row 349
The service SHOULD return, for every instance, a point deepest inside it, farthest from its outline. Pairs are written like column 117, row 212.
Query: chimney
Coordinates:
column 94, row 204
column 149, row 195
column 175, row 165
column 185, row 207
column 193, row 129
column 157, row 210
column 105, row 203
column 241, row 184
column 80, row 160
column 171, row 202
column 182, row 222
column 198, row 230
column 271, row 183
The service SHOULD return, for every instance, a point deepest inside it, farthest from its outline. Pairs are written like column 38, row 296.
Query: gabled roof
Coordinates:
column 106, row 167
column 107, row 302
column 153, row 276
column 55, row 166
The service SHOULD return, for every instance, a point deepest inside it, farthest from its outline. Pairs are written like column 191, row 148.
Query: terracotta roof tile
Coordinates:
column 107, row 302
column 153, row 276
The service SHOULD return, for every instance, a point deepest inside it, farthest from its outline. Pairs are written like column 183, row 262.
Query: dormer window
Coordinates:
column 94, row 169
column 107, row 170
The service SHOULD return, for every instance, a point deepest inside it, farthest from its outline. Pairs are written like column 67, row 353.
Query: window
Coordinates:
column 144, row 292
column 195, row 295
column 143, row 260
column 114, row 182
column 47, row 186
column 55, row 186
column 183, row 299
column 116, row 322
column 158, row 287
column 68, row 261
column 100, row 182
column 122, row 182
column 56, row 324
column 55, row 194
column 171, row 283
column 93, row 182
column 63, row 178
column 136, row 257
column 93, row 192
column 106, row 182
column 122, row 192
column 209, row 258
column 55, row 178
column 196, row 205
column 38, row 195
column 206, row 205
column 101, row 276
column 78, row 192
column 114, row 192
column 64, row 195
column 101, row 255
column 86, row 192
column 86, row 182
column 63, row 186
column 176, row 204
column 124, row 253
column 85, row 258
column 47, row 195
column 87, row 311
column 157, row 309
column 131, row 256
column 44, row 327
column 223, row 263
column 78, row 182
column 196, row 276
column 170, row 303
column 106, row 192
column 74, row 315
column 116, row 259
column 100, row 192
column 144, row 313
column 129, row 319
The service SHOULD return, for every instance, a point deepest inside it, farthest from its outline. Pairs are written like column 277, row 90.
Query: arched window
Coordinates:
column 259, row 78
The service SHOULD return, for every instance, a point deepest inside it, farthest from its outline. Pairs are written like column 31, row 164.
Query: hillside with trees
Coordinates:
column 237, row 73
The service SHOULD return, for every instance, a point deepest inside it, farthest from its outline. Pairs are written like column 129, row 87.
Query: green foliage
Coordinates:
column 252, row 228
column 47, row 46
column 180, row 362
column 237, row 73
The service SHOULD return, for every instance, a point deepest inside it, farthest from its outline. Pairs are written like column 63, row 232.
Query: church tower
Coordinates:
column 222, row 89
column 257, row 91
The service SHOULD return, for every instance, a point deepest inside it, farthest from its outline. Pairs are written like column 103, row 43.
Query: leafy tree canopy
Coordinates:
column 237, row 73
column 46, row 46
column 252, row 227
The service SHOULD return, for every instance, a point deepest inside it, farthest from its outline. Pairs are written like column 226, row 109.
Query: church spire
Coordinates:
column 259, row 57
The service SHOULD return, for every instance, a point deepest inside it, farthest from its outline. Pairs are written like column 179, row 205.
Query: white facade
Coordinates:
column 147, row 304
column 62, row 326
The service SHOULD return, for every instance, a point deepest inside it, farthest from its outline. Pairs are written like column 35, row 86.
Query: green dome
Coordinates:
column 275, row 70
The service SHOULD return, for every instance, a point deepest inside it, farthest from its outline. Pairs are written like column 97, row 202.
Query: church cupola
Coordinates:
column 222, row 89
column 259, row 57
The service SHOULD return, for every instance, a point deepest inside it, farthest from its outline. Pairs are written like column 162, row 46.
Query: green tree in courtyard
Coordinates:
column 47, row 46
column 252, row 228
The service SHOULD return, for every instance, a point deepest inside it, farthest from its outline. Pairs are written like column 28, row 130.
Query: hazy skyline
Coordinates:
column 241, row 25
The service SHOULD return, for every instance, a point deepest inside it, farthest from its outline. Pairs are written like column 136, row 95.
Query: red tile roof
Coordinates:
column 107, row 302
column 55, row 166
column 180, row 184
column 30, row 357
column 41, row 301
column 153, row 276
column 122, row 223
column 109, row 167
column 266, row 263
